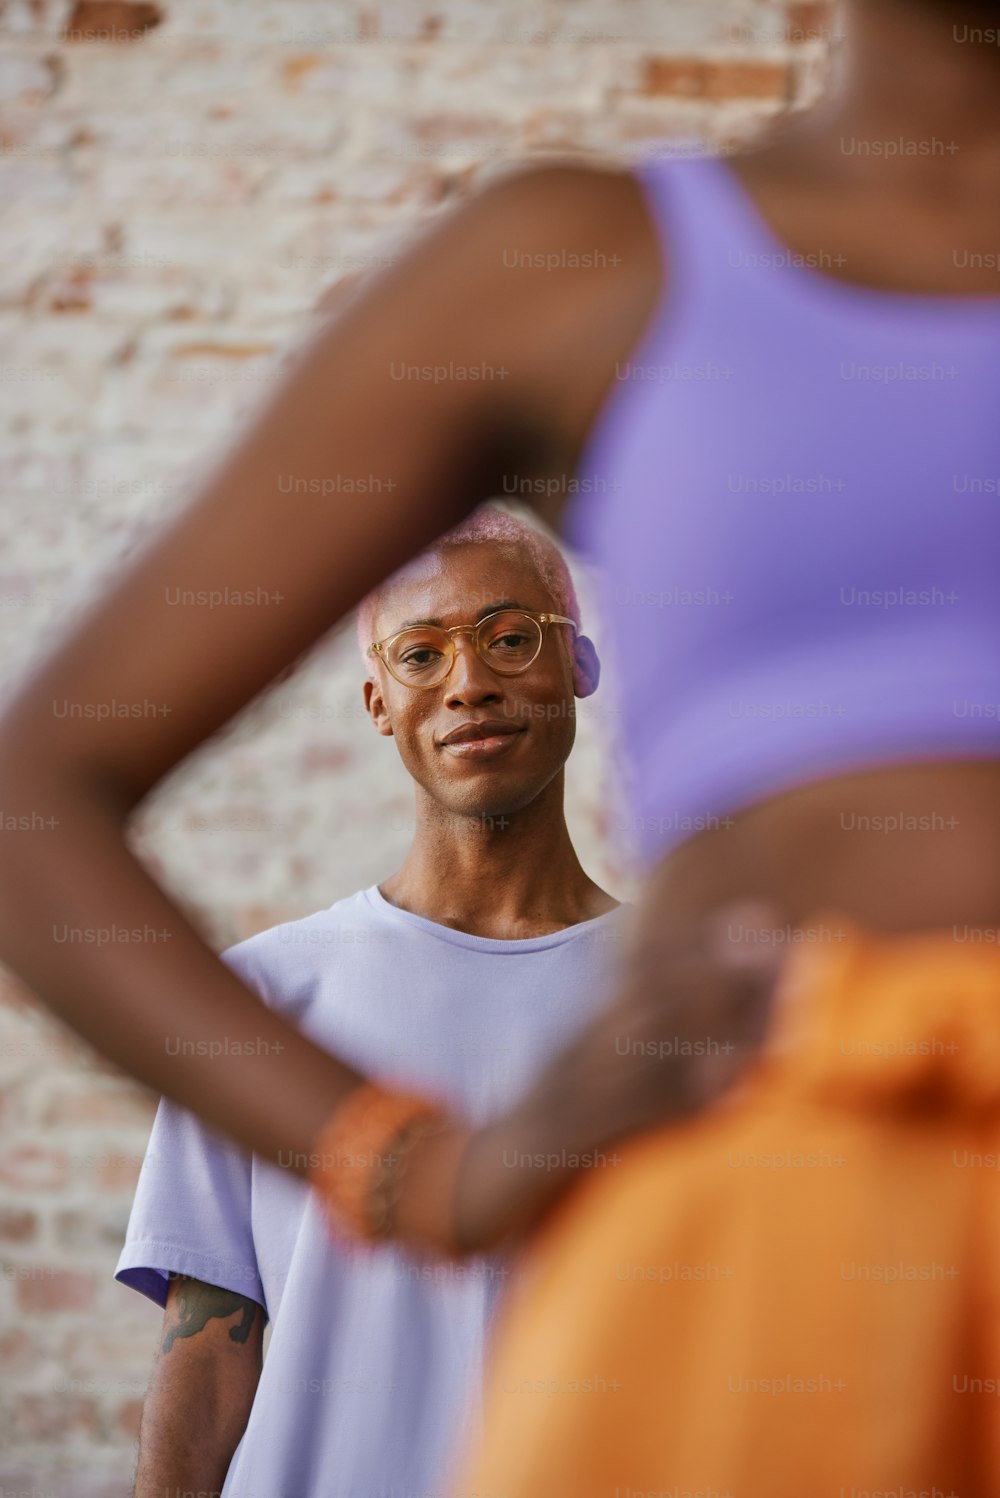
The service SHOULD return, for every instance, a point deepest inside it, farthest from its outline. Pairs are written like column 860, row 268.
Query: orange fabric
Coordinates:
column 796, row 1295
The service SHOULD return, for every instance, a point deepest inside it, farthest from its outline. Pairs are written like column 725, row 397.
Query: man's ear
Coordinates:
column 376, row 708
column 586, row 666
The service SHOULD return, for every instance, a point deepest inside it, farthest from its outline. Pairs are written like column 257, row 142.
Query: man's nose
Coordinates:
column 471, row 678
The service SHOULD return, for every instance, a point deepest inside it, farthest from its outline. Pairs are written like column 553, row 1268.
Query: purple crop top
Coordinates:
column 793, row 492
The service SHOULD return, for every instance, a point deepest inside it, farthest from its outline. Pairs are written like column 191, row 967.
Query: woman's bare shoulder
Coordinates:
column 553, row 197
column 582, row 273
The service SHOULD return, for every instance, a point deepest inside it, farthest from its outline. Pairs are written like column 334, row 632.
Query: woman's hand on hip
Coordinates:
column 690, row 1016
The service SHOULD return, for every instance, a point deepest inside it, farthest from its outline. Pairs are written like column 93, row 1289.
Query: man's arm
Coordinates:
column 201, row 1389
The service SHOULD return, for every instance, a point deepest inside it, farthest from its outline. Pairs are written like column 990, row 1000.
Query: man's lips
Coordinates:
column 482, row 740
column 485, row 728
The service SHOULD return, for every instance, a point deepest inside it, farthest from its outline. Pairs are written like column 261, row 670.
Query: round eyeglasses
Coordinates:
column 508, row 641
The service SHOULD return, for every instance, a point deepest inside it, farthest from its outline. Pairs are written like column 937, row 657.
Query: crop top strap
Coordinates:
column 707, row 226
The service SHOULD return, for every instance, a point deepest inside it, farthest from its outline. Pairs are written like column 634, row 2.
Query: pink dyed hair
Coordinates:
column 485, row 526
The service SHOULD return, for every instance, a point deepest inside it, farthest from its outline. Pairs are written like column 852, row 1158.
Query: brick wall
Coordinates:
column 181, row 181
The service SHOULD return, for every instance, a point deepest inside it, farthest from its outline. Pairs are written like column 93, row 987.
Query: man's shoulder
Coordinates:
column 292, row 948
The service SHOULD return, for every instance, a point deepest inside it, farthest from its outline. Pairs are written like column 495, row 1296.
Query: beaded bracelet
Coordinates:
column 361, row 1155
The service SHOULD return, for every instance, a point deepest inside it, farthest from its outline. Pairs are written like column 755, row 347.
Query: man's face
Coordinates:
column 533, row 714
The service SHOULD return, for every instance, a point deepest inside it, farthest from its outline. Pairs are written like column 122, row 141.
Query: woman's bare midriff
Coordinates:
column 900, row 848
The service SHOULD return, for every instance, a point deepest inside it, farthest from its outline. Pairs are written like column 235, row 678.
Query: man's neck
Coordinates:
column 509, row 877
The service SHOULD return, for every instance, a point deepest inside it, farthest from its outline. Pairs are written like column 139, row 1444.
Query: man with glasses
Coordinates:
column 458, row 977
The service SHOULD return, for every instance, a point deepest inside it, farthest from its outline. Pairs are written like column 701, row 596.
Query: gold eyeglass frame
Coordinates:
column 381, row 647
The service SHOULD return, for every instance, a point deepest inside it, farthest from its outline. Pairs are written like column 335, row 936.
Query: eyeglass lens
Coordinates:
column 508, row 641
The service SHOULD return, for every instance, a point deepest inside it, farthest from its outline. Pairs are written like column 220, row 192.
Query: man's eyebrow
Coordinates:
column 491, row 608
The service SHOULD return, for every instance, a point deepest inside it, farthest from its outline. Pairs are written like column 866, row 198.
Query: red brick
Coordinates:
column 43, row 1289
column 810, row 20
column 88, row 1230
column 17, row 1225
column 30, row 1167
column 92, row 1101
column 297, row 68
column 221, row 350
column 715, row 80
column 441, row 134
column 253, row 918
column 322, row 757
column 72, row 293
column 128, row 1416
column 107, row 1343
column 110, row 21
column 19, row 1352
column 120, row 1172
column 50, row 1417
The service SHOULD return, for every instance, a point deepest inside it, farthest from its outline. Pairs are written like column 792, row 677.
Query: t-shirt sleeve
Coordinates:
column 191, row 1212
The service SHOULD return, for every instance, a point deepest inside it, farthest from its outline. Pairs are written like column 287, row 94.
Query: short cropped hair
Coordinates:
column 488, row 525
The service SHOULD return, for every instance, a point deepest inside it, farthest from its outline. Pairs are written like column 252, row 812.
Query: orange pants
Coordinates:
column 796, row 1294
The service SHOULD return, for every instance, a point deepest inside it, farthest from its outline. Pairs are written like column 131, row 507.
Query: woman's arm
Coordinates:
column 442, row 373
column 691, row 1014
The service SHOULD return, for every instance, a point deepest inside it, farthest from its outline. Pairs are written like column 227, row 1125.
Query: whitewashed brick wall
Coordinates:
column 180, row 182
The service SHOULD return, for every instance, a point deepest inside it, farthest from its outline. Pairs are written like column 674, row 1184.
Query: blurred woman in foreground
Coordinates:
column 798, row 1292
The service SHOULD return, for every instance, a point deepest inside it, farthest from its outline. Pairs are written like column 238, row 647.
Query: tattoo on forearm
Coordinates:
column 198, row 1303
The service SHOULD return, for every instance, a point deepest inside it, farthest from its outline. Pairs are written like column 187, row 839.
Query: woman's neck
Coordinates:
column 922, row 73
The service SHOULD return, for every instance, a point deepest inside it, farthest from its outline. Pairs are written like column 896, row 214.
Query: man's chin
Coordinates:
column 490, row 809
column 490, row 814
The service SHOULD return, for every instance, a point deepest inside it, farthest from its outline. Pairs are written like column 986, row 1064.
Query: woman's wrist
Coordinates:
column 509, row 1173
column 394, row 1167
column 362, row 1154
column 424, row 1191
column 462, row 1191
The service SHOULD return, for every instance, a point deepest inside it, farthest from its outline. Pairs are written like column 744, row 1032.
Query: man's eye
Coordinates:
column 509, row 641
column 421, row 657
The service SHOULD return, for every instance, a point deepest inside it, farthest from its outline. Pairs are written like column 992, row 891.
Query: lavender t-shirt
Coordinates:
column 371, row 1378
